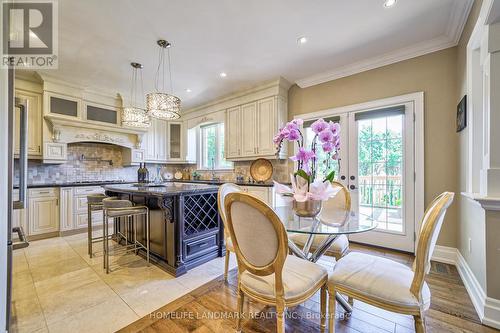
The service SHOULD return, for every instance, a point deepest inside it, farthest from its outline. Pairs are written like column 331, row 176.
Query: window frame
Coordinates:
column 218, row 141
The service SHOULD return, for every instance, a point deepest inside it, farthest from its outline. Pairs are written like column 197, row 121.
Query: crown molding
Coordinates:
column 451, row 37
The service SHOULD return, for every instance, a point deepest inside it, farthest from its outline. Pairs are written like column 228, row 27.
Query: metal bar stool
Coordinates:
column 115, row 208
column 94, row 203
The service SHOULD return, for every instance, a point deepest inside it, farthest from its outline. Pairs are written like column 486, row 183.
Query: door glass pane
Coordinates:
column 175, row 141
column 323, row 168
column 380, row 166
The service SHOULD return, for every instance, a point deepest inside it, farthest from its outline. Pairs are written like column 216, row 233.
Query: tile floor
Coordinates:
column 58, row 288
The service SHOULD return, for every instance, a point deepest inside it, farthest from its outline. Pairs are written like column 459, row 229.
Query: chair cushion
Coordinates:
column 379, row 279
column 229, row 244
column 300, row 277
column 339, row 246
column 126, row 212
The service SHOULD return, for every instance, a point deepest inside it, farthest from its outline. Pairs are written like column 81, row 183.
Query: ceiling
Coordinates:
column 252, row 41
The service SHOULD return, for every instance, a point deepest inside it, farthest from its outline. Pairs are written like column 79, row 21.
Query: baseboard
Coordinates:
column 487, row 308
column 445, row 254
column 474, row 289
column 492, row 312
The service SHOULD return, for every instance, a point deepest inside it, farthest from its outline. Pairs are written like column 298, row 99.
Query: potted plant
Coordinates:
column 309, row 189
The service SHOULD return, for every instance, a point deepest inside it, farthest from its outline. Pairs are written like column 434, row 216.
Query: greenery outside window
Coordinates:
column 212, row 148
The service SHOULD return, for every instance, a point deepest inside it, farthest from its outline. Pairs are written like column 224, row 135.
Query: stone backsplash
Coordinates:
column 76, row 169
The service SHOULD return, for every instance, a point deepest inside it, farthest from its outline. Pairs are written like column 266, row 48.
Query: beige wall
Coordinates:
column 471, row 217
column 434, row 74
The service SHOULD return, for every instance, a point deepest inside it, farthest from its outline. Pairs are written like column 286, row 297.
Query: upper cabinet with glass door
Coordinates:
column 101, row 113
column 62, row 105
column 175, row 141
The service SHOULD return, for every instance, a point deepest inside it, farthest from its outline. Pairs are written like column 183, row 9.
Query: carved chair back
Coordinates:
column 224, row 190
column 259, row 237
column 429, row 232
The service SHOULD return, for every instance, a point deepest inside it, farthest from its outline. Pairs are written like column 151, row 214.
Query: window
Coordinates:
column 212, row 147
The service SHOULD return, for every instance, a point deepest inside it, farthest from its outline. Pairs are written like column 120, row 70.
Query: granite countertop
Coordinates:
column 164, row 189
column 111, row 182
column 220, row 182
column 77, row 184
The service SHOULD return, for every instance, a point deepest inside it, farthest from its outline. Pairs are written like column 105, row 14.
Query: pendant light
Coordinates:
column 160, row 104
column 133, row 115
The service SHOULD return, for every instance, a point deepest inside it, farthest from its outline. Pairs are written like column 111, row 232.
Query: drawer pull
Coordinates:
column 43, row 192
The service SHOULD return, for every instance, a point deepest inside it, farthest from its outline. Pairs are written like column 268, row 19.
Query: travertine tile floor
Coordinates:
column 58, row 288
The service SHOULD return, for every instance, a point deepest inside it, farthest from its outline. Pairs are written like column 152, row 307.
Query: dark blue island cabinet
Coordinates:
column 185, row 227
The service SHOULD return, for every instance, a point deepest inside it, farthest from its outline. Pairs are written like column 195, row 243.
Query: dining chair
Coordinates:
column 224, row 190
column 266, row 273
column 387, row 284
column 335, row 211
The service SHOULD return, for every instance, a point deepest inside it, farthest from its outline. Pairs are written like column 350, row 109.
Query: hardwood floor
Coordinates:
column 212, row 308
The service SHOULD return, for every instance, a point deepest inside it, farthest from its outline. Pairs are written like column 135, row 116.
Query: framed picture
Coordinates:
column 462, row 114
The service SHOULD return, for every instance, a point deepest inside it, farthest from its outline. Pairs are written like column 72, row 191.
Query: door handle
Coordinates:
column 23, row 153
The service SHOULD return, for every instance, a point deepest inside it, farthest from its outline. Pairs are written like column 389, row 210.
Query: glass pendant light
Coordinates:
column 133, row 115
column 160, row 104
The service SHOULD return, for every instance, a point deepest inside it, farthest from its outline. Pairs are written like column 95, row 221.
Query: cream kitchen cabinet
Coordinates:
column 80, row 213
column 43, row 211
column 233, row 132
column 34, row 133
column 266, row 194
column 262, row 192
column 66, row 209
column 165, row 142
column 155, row 142
column 251, row 127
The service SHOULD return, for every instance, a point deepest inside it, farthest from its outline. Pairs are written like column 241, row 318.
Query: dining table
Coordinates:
column 326, row 226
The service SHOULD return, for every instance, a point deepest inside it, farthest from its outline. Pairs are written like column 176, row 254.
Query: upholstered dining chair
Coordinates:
column 388, row 284
column 335, row 210
column 224, row 190
column 266, row 273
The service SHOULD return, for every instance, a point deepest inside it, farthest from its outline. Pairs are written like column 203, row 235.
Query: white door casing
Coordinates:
column 415, row 144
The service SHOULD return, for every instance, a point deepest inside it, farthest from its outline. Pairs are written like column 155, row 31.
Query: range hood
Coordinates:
column 66, row 131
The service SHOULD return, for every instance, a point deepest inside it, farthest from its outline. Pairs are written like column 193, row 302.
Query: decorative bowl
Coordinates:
column 309, row 208
column 261, row 170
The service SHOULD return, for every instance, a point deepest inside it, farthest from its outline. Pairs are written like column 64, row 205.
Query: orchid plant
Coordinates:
column 306, row 183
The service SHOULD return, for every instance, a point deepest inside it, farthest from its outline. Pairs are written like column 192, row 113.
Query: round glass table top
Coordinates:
column 337, row 223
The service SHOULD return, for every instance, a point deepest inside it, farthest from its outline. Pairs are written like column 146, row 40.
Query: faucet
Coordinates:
column 214, row 177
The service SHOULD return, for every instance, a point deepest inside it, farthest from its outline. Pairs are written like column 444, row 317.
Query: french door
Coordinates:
column 377, row 165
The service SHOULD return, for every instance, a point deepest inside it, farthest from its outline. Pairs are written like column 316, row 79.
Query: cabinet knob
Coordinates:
column 352, row 187
column 342, row 177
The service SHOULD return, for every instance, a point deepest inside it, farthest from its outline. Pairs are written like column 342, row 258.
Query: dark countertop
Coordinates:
column 165, row 189
column 220, row 182
column 76, row 184
column 101, row 183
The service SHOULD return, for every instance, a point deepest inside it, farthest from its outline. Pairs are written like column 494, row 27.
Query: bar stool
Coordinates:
column 94, row 204
column 117, row 208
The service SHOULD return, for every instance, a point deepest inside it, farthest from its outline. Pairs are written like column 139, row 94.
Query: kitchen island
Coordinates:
column 185, row 227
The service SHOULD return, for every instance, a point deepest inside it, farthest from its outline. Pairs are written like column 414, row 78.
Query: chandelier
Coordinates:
column 132, row 115
column 159, row 104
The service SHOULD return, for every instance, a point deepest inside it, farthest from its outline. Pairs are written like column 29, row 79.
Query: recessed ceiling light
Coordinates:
column 389, row 3
column 188, row 90
column 301, row 40
column 222, row 74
